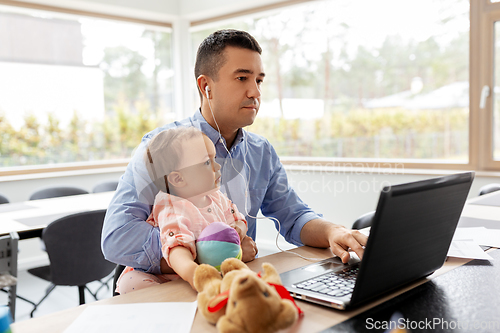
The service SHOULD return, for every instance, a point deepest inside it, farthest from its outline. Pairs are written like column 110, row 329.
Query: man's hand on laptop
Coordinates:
column 321, row 233
column 342, row 239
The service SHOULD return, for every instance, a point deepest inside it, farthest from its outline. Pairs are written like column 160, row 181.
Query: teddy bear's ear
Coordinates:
column 270, row 274
column 231, row 264
column 287, row 316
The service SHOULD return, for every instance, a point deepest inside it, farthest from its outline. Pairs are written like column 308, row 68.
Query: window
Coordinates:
column 346, row 83
column 496, row 95
column 485, row 74
column 79, row 89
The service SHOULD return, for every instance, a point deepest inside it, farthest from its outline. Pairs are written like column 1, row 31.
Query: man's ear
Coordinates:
column 175, row 179
column 203, row 82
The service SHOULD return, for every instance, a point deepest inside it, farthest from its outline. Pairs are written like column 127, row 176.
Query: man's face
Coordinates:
column 236, row 95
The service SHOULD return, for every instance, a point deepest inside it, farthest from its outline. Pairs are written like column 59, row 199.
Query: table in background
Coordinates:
column 483, row 211
column 29, row 218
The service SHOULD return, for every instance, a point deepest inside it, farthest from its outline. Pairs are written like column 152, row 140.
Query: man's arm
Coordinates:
column 321, row 233
column 126, row 238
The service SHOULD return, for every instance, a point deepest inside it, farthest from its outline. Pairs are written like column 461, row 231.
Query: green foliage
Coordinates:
column 113, row 137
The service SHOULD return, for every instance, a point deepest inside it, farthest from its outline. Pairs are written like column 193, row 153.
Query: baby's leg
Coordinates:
column 136, row 280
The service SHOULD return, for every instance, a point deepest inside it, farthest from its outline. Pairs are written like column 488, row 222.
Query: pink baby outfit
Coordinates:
column 180, row 223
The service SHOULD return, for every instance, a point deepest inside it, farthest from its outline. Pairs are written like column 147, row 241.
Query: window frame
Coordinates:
column 487, row 14
column 78, row 12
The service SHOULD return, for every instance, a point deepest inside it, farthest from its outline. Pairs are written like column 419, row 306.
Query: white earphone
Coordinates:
column 206, row 91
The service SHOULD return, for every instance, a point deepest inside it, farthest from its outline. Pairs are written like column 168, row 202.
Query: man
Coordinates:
column 229, row 74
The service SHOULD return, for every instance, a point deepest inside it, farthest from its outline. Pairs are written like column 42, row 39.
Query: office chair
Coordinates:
column 105, row 187
column 363, row 221
column 118, row 271
column 55, row 192
column 489, row 188
column 3, row 200
column 63, row 191
column 8, row 268
column 73, row 244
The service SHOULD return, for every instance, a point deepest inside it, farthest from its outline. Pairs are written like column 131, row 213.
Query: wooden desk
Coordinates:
column 316, row 317
column 28, row 218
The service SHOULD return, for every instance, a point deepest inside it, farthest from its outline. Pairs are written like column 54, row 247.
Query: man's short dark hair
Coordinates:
column 210, row 57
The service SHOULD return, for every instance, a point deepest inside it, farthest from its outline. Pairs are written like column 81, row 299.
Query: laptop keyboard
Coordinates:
column 336, row 284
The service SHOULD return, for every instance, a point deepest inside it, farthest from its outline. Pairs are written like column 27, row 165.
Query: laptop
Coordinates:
column 409, row 239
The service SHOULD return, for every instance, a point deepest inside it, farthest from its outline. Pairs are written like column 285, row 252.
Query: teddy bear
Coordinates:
column 242, row 300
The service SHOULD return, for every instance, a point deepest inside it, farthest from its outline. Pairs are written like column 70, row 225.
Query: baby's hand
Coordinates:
column 241, row 231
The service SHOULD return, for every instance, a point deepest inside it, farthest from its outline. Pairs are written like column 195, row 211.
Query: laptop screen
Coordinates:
column 411, row 232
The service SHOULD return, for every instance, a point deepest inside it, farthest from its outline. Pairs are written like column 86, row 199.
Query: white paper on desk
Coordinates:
column 138, row 317
column 481, row 235
column 467, row 248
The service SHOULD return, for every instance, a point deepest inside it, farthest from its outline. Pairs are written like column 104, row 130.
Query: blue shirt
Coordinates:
column 128, row 240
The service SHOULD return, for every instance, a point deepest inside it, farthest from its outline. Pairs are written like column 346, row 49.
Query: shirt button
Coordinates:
column 232, row 211
column 209, row 210
column 171, row 233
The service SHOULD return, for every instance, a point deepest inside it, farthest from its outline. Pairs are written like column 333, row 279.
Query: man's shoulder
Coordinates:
column 257, row 140
column 258, row 143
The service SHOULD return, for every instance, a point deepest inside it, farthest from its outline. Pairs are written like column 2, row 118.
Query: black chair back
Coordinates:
column 3, row 200
column 489, row 188
column 73, row 244
column 105, row 187
column 55, row 192
column 364, row 221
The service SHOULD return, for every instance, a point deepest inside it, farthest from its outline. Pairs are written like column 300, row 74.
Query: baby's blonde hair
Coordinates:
column 164, row 153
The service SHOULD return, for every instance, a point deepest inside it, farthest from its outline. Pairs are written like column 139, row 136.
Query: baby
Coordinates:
column 181, row 163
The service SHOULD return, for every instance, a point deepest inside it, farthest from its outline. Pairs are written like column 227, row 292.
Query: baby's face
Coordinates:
column 198, row 166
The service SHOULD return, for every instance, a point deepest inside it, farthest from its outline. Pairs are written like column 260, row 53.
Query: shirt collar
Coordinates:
column 212, row 133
